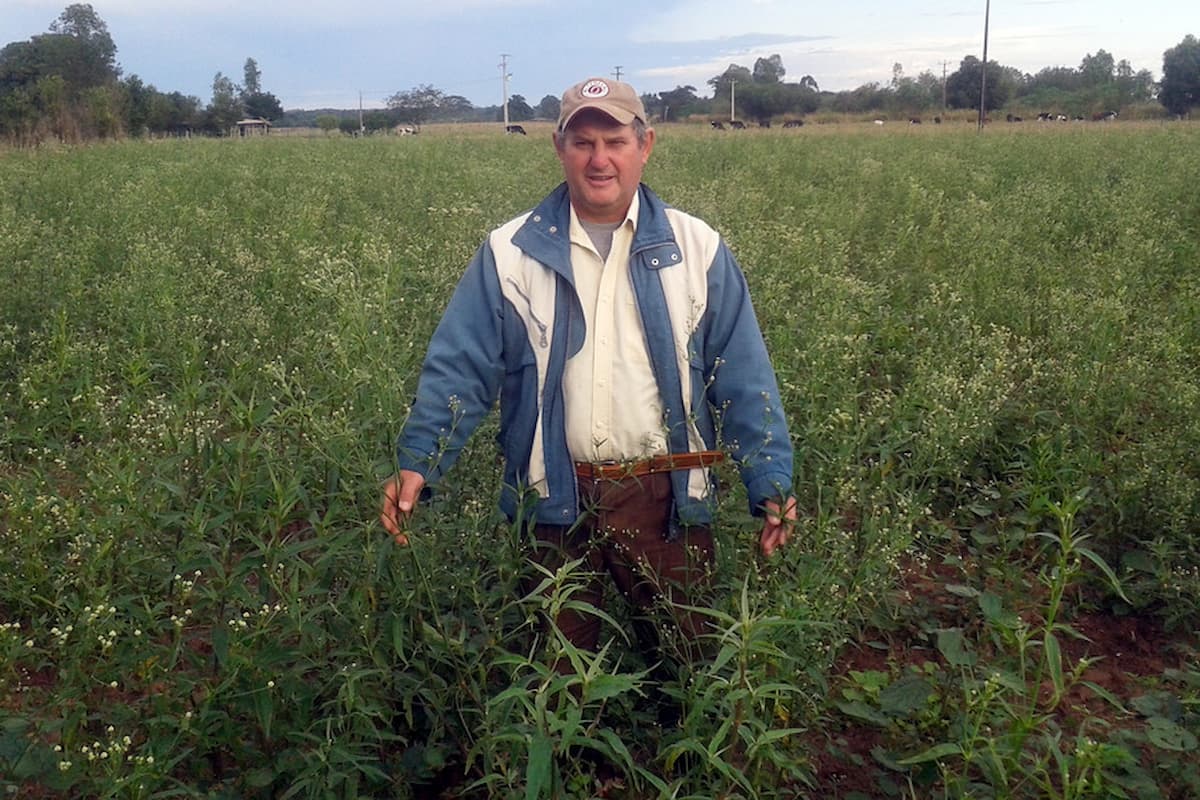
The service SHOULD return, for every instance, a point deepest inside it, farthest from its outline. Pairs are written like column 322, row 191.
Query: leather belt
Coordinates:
column 615, row 470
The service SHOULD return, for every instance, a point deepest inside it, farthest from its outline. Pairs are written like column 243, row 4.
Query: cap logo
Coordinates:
column 594, row 90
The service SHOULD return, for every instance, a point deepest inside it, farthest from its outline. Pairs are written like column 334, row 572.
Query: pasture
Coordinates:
column 989, row 349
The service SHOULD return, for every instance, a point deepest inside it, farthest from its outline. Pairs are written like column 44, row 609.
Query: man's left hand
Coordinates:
column 777, row 525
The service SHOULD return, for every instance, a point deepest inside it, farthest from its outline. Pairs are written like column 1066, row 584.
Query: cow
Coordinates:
column 514, row 129
column 766, row 123
column 793, row 123
column 1012, row 118
column 717, row 126
column 1045, row 116
column 406, row 130
column 737, row 125
column 1104, row 116
column 937, row 120
column 914, row 120
column 878, row 122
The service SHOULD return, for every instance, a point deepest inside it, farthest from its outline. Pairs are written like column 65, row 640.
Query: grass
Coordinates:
column 988, row 350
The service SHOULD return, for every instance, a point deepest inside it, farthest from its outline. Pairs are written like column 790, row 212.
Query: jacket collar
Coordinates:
column 546, row 233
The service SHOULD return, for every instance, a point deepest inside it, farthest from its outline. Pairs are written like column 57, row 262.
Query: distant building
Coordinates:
column 253, row 127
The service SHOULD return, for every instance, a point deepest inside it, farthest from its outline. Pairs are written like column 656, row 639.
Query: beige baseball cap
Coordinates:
column 619, row 100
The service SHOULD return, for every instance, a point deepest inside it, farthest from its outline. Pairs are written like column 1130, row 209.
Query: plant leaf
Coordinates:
column 953, row 646
column 1169, row 736
column 932, row 754
column 907, row 694
column 1108, row 573
column 537, row 774
column 1054, row 663
column 991, row 606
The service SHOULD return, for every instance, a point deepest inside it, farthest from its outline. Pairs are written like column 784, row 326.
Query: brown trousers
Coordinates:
column 623, row 535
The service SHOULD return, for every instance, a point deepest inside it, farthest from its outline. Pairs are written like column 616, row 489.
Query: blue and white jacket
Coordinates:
column 515, row 319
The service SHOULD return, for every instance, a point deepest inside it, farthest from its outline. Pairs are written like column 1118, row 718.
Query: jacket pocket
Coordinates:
column 519, row 408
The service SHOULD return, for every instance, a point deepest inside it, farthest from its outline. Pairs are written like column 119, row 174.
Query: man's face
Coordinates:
column 602, row 163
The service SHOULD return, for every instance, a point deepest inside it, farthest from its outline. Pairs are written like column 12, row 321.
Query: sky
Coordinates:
column 330, row 53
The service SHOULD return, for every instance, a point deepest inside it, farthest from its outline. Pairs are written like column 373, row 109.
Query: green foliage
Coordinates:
column 963, row 87
column 1180, row 88
column 978, row 339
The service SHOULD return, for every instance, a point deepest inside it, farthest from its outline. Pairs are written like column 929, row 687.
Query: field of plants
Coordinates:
column 989, row 349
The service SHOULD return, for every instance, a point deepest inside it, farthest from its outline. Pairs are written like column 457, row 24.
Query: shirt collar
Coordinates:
column 579, row 235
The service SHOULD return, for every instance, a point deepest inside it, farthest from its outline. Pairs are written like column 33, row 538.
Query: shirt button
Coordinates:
column 537, row 218
column 554, row 229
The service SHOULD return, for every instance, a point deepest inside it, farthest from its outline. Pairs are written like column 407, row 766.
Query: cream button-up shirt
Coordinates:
column 613, row 409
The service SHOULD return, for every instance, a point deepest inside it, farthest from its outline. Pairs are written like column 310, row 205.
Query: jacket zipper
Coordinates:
column 541, row 326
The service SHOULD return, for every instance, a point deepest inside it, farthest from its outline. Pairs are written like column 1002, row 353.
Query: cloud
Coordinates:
column 296, row 14
column 746, row 41
column 695, row 21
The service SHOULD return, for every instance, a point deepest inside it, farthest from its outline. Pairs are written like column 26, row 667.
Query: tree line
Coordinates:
column 1100, row 83
column 66, row 84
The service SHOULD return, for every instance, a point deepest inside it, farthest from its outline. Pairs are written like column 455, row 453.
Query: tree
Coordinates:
column 677, row 103
column 225, row 109
column 255, row 102
column 327, row 122
column 1179, row 90
column 138, row 102
column 55, row 108
column 103, row 110
column 1136, row 87
column 252, row 82
column 722, row 85
column 62, row 83
column 519, row 109
column 81, row 22
column 768, row 70
column 453, row 108
column 868, row 97
column 263, row 105
column 548, row 107
column 1063, row 78
column 1096, row 69
column 762, row 101
column 416, row 105
column 963, row 86
column 380, row 120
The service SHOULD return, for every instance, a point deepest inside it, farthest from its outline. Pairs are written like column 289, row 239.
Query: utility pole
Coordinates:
column 361, row 128
column 617, row 72
column 732, row 94
column 944, row 65
column 987, row 12
column 504, row 76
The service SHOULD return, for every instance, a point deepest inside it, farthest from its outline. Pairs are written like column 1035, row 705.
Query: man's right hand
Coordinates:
column 400, row 493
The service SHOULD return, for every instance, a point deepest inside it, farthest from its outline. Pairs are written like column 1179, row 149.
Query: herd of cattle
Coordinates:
column 1101, row 116
column 737, row 125
column 1045, row 116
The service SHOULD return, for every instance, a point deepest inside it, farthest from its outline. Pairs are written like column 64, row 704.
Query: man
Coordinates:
column 619, row 336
